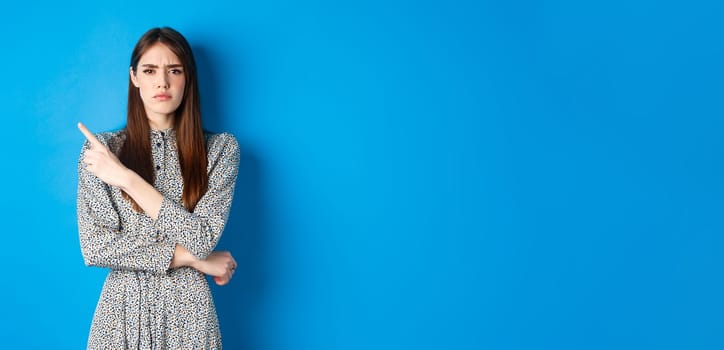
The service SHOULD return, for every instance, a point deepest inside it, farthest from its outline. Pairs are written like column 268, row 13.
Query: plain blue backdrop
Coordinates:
column 415, row 174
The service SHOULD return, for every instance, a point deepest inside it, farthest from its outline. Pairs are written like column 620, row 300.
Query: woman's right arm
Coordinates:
column 103, row 241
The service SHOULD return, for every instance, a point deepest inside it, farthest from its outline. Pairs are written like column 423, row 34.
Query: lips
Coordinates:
column 162, row 97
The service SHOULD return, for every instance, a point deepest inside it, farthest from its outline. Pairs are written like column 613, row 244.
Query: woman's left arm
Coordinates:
column 199, row 231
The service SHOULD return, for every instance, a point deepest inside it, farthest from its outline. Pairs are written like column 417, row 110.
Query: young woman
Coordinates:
column 153, row 200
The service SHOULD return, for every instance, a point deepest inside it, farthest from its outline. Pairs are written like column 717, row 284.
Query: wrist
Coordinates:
column 183, row 257
column 197, row 264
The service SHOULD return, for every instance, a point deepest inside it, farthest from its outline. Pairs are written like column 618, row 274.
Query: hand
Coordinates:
column 219, row 265
column 101, row 162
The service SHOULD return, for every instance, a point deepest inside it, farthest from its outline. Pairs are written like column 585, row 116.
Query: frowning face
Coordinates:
column 160, row 79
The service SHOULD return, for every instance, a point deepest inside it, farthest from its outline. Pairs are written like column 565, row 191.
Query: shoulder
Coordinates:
column 113, row 139
column 221, row 145
column 220, row 139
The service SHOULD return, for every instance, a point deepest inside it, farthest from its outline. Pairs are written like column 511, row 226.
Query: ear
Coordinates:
column 133, row 76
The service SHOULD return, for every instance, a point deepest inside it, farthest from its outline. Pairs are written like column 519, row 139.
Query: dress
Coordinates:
column 143, row 304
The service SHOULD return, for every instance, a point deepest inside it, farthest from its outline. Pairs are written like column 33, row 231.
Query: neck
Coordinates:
column 160, row 121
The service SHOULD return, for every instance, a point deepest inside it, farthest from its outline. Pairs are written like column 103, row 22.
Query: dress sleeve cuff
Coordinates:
column 166, row 252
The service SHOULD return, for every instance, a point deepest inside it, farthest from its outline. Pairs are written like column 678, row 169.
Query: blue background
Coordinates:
column 415, row 175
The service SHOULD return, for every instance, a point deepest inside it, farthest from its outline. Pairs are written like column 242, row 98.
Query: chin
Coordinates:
column 166, row 110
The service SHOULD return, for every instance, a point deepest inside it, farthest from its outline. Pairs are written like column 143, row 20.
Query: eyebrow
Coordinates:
column 175, row 65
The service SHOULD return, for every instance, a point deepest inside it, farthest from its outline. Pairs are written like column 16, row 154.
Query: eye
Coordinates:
column 176, row 71
column 148, row 71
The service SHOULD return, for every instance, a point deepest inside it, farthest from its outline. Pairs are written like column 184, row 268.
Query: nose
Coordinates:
column 162, row 82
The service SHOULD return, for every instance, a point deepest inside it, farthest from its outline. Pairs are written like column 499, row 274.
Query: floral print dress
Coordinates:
column 144, row 304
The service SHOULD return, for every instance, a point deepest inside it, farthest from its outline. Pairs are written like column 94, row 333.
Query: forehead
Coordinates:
column 159, row 55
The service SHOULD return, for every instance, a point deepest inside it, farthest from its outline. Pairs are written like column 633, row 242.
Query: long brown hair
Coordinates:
column 136, row 150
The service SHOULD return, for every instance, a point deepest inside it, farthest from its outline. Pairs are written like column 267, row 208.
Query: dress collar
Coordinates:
column 164, row 132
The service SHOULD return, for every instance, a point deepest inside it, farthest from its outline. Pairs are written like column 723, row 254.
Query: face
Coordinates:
column 160, row 79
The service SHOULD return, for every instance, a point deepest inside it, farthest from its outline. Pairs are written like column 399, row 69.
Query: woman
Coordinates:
column 153, row 200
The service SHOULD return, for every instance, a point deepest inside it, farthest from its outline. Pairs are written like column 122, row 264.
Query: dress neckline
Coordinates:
column 161, row 132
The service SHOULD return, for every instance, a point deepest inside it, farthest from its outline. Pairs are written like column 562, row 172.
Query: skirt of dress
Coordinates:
column 143, row 310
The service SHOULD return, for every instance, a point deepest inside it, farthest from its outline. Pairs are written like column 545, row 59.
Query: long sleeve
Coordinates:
column 199, row 231
column 104, row 241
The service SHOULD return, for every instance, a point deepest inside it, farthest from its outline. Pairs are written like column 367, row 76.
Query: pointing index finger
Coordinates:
column 88, row 135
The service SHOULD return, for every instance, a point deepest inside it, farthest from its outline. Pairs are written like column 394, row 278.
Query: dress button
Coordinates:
column 162, row 135
column 158, row 167
column 158, row 144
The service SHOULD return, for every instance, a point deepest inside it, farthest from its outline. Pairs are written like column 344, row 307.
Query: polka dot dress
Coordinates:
column 144, row 304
